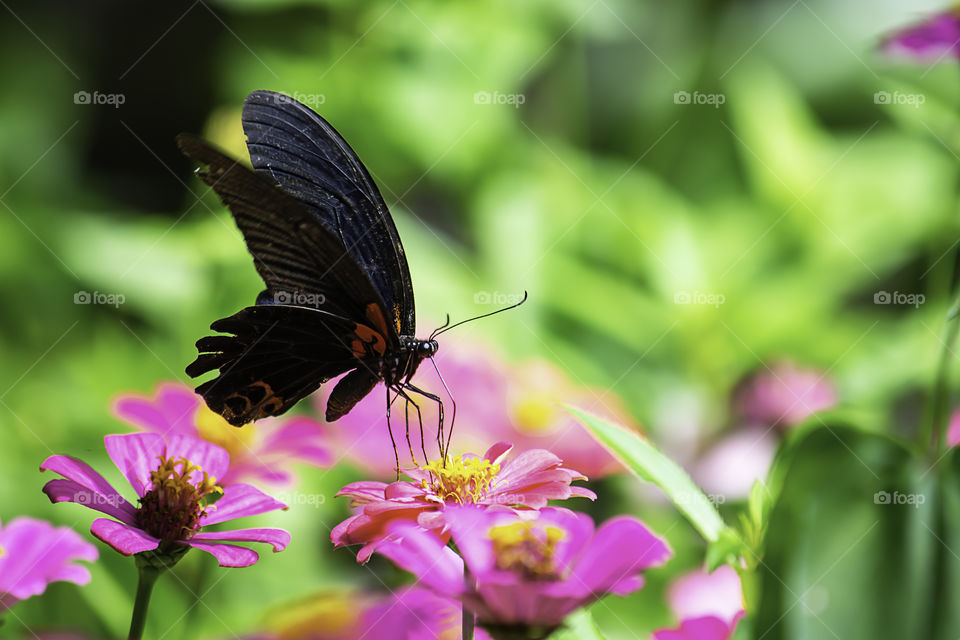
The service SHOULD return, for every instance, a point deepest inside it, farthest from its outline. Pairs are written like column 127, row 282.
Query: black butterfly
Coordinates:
column 338, row 298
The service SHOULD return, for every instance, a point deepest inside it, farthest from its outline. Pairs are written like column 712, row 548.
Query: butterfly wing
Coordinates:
column 276, row 356
column 299, row 151
column 279, row 353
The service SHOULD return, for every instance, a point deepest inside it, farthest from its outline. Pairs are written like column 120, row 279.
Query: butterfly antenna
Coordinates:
column 440, row 328
column 447, row 327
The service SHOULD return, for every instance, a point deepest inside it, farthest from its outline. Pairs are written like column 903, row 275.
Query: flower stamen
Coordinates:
column 172, row 508
column 528, row 549
column 461, row 480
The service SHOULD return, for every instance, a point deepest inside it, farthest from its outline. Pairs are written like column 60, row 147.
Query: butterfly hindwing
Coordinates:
column 275, row 356
column 298, row 150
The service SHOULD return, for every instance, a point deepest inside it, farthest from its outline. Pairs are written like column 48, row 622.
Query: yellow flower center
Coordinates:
column 536, row 413
column 331, row 615
column 213, row 428
column 461, row 480
column 527, row 548
column 172, row 508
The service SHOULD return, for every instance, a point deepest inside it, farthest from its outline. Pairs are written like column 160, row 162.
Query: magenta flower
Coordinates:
column 527, row 574
column 34, row 553
column 936, row 37
column 174, row 481
column 526, row 481
column 496, row 401
column 783, row 395
column 708, row 605
column 261, row 452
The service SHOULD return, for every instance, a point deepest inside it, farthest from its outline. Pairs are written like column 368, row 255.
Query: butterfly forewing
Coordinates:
column 298, row 150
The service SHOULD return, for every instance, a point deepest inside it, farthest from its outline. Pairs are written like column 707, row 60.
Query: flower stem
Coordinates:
column 467, row 619
column 147, row 578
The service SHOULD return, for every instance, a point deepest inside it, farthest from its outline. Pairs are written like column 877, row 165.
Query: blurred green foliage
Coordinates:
column 796, row 200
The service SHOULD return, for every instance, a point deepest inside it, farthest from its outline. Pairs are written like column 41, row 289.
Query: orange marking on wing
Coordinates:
column 375, row 316
column 367, row 339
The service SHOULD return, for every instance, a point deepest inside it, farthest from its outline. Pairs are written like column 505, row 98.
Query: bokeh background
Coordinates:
column 691, row 192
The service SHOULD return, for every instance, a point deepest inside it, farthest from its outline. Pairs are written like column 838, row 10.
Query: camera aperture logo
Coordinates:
column 712, row 99
column 898, row 97
column 111, row 99
column 912, row 499
column 699, row 298
column 98, row 297
column 899, row 298
column 495, row 97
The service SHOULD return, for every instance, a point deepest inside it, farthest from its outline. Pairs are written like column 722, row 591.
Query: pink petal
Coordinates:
column 278, row 538
column 699, row 594
column 37, row 553
column 705, row 628
column 212, row 459
column 69, row 491
column 362, row 492
column 621, row 548
column 228, row 555
column 238, row 501
column 425, row 556
column 496, row 453
column 300, row 439
column 125, row 538
column 83, row 475
column 136, row 455
column 172, row 411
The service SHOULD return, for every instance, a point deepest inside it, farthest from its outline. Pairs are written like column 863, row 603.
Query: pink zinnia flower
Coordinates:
column 410, row 613
column 784, row 395
column 264, row 451
column 34, row 553
column 708, row 605
column 518, row 403
column 173, row 481
column 936, row 37
column 527, row 574
column 525, row 482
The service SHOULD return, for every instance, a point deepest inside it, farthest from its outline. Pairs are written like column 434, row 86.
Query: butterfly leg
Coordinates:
column 396, row 455
column 435, row 398
column 423, row 448
column 406, row 419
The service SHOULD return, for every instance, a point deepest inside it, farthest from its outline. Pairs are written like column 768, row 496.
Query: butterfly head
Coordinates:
column 428, row 348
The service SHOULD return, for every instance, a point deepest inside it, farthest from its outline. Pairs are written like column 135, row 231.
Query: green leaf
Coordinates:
column 578, row 626
column 644, row 460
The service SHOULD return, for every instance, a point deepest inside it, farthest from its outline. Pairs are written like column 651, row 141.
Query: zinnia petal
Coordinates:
column 425, row 556
column 136, row 455
column 84, row 476
column 277, row 538
column 69, row 491
column 238, row 501
column 228, row 555
column 212, row 459
column 172, row 410
column 125, row 538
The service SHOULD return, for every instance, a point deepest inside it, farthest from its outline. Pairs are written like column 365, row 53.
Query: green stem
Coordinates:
column 147, row 578
column 467, row 620
column 934, row 435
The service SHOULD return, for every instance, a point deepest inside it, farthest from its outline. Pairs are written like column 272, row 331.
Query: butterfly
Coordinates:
column 338, row 297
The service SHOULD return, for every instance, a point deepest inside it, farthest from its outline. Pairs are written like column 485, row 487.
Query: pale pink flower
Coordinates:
column 708, row 605
column 783, row 395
